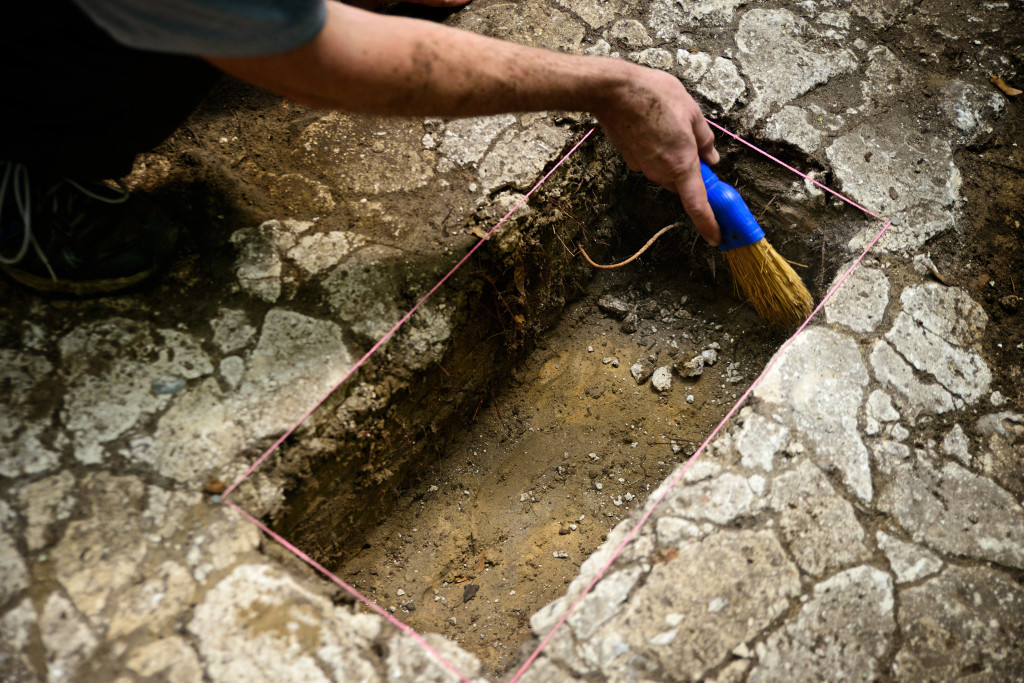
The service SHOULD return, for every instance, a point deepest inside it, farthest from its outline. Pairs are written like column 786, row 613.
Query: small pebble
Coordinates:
column 590, row 349
column 689, row 398
column 560, row 554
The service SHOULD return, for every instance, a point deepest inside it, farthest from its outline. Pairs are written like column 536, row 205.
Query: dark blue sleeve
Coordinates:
column 209, row 28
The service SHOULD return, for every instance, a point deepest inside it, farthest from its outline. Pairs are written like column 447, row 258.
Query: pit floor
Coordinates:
column 566, row 449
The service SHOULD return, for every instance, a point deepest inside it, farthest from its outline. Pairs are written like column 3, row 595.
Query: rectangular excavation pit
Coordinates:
column 544, row 459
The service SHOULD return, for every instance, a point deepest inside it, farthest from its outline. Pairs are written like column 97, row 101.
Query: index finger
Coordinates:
column 695, row 202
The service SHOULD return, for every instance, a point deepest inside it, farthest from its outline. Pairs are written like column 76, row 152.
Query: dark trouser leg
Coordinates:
column 75, row 102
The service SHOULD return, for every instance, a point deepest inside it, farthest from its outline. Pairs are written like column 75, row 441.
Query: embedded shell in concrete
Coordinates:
column 831, row 533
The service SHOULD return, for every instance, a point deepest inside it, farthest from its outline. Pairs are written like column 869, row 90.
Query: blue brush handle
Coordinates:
column 739, row 227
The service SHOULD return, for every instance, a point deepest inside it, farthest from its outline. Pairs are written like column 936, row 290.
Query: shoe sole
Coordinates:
column 91, row 288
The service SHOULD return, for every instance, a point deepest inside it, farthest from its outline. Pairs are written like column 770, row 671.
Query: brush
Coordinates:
column 770, row 284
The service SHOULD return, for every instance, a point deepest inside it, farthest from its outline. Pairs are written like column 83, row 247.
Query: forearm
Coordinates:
column 386, row 65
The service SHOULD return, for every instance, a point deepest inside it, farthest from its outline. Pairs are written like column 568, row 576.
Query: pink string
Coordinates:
column 799, row 173
column 352, row 591
column 402, row 321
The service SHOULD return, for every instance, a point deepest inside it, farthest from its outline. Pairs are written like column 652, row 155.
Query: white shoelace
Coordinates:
column 16, row 177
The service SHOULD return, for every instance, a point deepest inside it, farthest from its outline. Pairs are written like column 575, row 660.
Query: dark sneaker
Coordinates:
column 66, row 237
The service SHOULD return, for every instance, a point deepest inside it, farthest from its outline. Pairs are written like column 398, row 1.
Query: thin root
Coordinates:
column 634, row 256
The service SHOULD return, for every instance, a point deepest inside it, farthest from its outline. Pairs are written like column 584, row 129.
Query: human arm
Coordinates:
column 386, row 65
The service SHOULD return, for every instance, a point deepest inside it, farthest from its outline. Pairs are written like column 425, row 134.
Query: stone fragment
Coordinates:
column 656, row 58
column 613, row 306
column 710, row 357
column 642, row 370
column 817, row 524
column 909, row 562
column 759, row 441
column 20, row 373
column 690, row 369
column 98, row 555
column 44, row 502
column 154, row 603
column 882, row 13
column 966, row 619
column 986, row 522
column 720, row 592
column 970, row 108
column 962, row 372
column 1010, row 303
column 66, row 637
column 168, row 659
column 817, row 386
column 630, row 33
column 597, row 13
column 912, row 177
column 661, row 380
column 408, row 660
column 793, row 125
column 948, row 312
column 258, row 623
column 258, row 266
column 861, row 301
column 884, row 76
column 783, row 57
column 519, row 156
column 16, row 627
column 880, row 407
column 231, row 330
column 314, row 252
column 918, row 397
column 719, row 499
column 13, row 572
column 957, row 444
column 842, row 632
column 670, row 19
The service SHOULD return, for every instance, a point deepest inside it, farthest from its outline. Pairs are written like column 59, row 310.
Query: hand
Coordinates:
column 659, row 130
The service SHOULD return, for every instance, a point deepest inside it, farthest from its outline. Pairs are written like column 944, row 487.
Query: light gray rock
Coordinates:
column 669, row 19
column 44, row 502
column 13, row 571
column 971, row 108
column 260, row 624
column 99, row 554
column 258, row 266
column 692, row 611
column 314, row 251
column 408, row 660
column 881, row 13
column 66, row 636
column 641, row 370
column 793, row 125
column 111, row 367
column 861, row 301
column 910, row 176
column 957, row 444
column 843, row 632
column 170, row 659
column 661, row 380
column 985, row 522
column 613, row 306
column 818, row 388
column 884, row 77
column 948, row 312
column 465, row 141
column 719, row 500
column 818, row 525
column 967, row 619
column 909, row 562
column 782, row 57
column 690, row 369
column 630, row 33
column 710, row 357
column 962, row 372
column 20, row 372
column 918, row 397
column 759, row 440
column 15, row 639
column 231, row 330
column 715, row 78
column 596, row 13
column 518, row 156
column 656, row 58
column 880, row 407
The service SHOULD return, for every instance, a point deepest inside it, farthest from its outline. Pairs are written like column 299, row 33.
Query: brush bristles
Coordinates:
column 770, row 284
